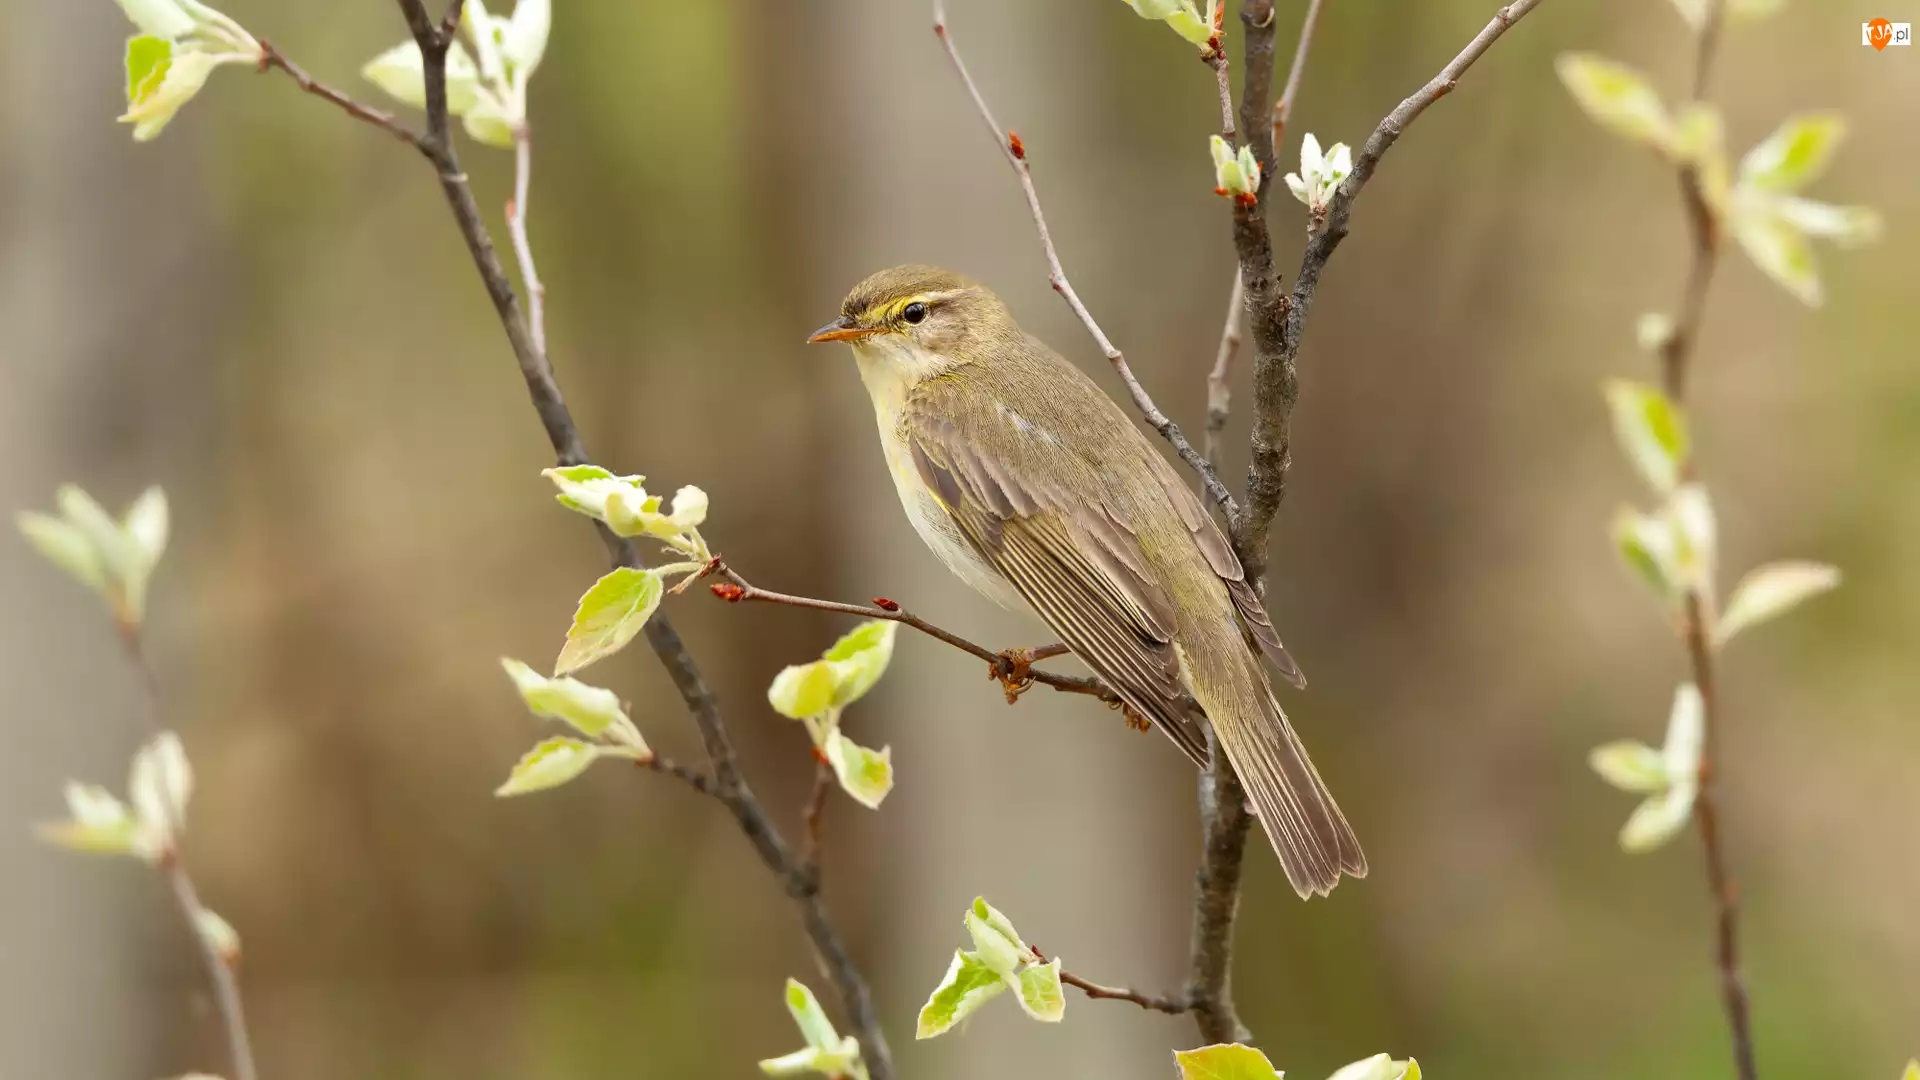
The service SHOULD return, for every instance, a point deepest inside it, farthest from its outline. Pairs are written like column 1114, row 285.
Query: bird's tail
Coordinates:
column 1306, row 828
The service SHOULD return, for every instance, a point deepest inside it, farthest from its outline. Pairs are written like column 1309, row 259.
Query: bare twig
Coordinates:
column 271, row 57
column 1675, row 358
column 1219, row 390
column 741, row 590
column 1218, row 62
column 1016, row 156
column 1171, row 1005
column 220, row 969
column 727, row 782
column 1224, row 825
column 686, row 774
column 1283, row 108
column 517, row 231
column 1277, row 324
column 814, row 813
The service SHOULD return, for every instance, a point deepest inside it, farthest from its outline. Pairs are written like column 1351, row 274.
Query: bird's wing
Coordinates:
column 1083, row 572
column 1208, row 538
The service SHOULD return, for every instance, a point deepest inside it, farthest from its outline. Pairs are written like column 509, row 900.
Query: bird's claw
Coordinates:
column 1013, row 670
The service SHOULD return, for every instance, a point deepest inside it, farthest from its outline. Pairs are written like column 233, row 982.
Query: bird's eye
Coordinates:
column 915, row 312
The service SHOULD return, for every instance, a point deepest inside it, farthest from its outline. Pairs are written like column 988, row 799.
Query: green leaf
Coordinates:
column 146, row 525
column 1913, row 1070
column 1658, row 820
column 1618, row 98
column 491, row 124
column 1777, row 246
column 590, row 710
column 968, row 984
column 1771, row 591
column 159, row 18
column 98, row 824
column 997, row 949
column 66, row 547
column 1040, row 994
column 167, row 89
column 609, row 616
column 1795, row 154
column 1225, row 1061
column 809, row 1016
column 1651, row 429
column 864, row 774
column 159, row 785
column 401, row 73
column 1630, row 765
column 147, row 60
column 1686, row 734
column 1181, row 16
column 549, row 764
column 1848, row 226
column 860, row 658
column 1696, row 537
column 827, row 1052
column 1379, row 1067
column 804, row 691
column 1645, row 543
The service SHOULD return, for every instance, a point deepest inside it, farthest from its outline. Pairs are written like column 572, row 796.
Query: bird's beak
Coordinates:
column 841, row 329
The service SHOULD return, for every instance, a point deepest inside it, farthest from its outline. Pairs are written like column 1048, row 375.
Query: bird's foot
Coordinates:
column 1134, row 720
column 1013, row 670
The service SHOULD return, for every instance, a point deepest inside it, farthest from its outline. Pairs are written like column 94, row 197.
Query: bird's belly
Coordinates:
column 939, row 533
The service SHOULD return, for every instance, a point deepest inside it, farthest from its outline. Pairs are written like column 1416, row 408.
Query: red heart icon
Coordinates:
column 1879, row 33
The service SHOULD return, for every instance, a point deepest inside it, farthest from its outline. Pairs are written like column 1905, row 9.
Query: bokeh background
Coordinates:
column 269, row 312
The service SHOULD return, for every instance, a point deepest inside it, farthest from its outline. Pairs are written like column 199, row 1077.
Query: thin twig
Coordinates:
column 741, row 590
column 813, row 815
column 1057, row 277
column 220, row 969
column 1218, row 62
column 1283, row 108
column 517, row 232
column 271, row 57
column 434, row 42
column 1219, row 389
column 1172, row 1005
column 686, row 774
column 1675, row 358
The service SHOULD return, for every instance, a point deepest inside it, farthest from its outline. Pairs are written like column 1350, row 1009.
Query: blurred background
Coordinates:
column 269, row 312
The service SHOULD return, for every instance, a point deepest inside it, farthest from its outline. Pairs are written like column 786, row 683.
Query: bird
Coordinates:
column 1034, row 488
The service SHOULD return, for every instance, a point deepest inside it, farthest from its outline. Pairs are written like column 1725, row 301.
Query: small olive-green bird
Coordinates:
column 1033, row 487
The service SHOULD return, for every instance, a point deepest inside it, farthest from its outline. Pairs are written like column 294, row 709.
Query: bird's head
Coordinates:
column 922, row 319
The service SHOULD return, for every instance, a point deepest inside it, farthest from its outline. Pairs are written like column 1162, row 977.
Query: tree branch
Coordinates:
column 517, row 232
column 731, row 787
column 1277, row 325
column 1172, row 1006
column 271, row 57
column 1015, row 153
column 1675, row 357
column 1283, row 108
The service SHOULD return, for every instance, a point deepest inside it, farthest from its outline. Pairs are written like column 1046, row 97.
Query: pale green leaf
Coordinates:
column 1040, row 994
column 490, row 123
column 98, row 824
column 160, row 784
column 1225, row 1061
column 992, row 916
column 859, row 659
column 108, row 540
column 177, row 82
column 221, row 938
column 159, row 18
column 1180, row 15
column 1913, row 1070
column 549, row 764
column 1658, row 819
column 1777, row 245
column 1771, row 591
column 1630, row 766
column 485, row 29
column 146, row 524
column 524, row 40
column 1651, row 429
column 1696, row 537
column 803, row 691
column 401, row 72
column 1645, row 543
column 591, row 710
column 809, row 1017
column 1686, row 735
column 968, row 984
column 609, row 616
column 996, row 950
column 66, row 547
column 1848, row 226
column 147, row 60
column 1795, row 154
column 864, row 774
column 1618, row 98
column 1378, row 1067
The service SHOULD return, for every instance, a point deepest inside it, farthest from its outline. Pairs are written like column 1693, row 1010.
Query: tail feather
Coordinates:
column 1306, row 828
